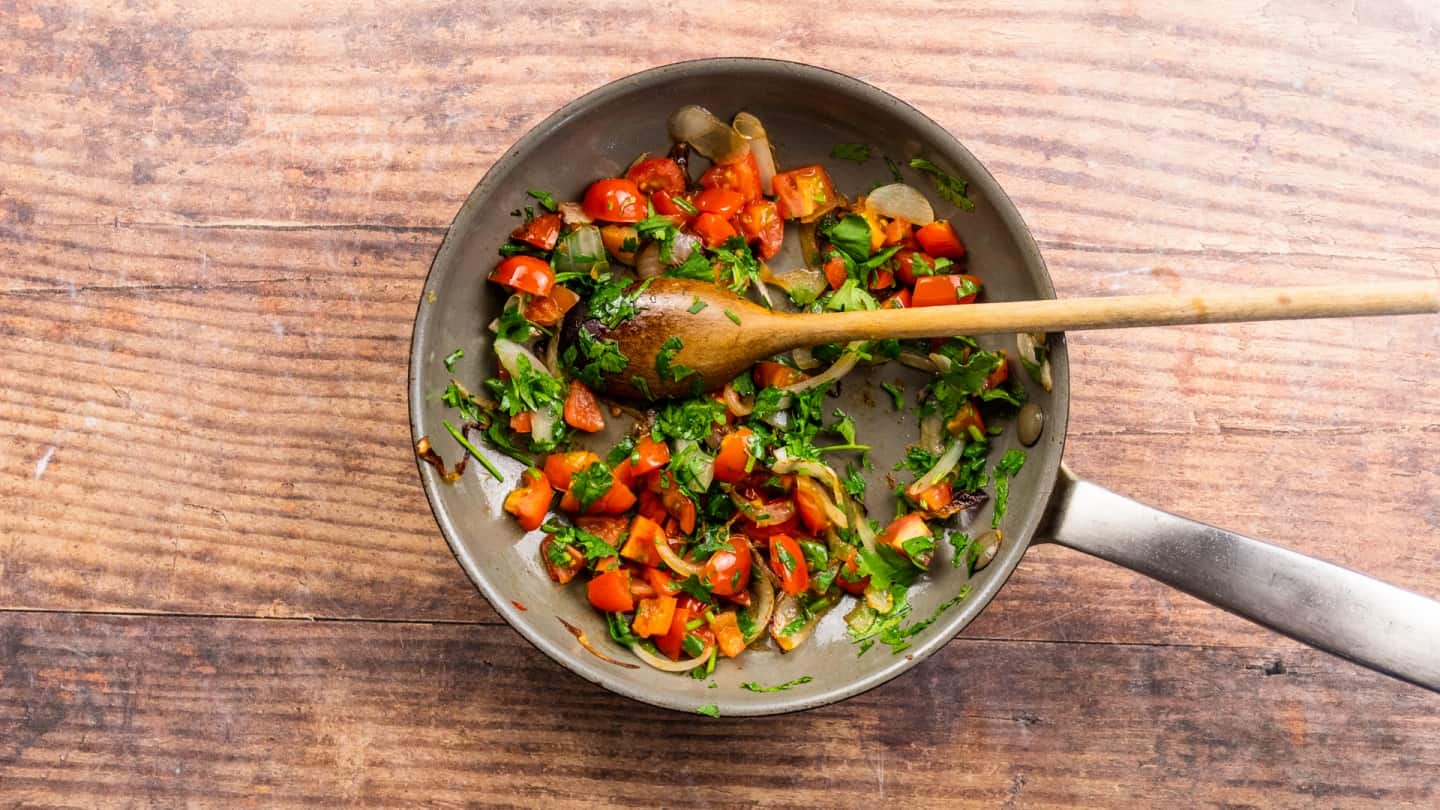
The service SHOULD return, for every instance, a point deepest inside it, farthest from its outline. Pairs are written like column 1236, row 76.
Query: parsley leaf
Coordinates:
column 851, row 236
column 612, row 305
column 692, row 419
column 857, row 152
column 695, row 267
column 452, row 357
column 512, row 325
column 897, row 395
column 693, row 586
column 543, row 197
column 709, row 710
column 1005, row 468
column 853, row 482
column 590, row 484
column 663, row 361
column 592, row 546
column 756, row 687
column 739, row 263
column 601, row 355
column 620, row 629
column 953, row 189
column 851, row 297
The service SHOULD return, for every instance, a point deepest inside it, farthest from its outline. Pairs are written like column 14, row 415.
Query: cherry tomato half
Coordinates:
column 525, row 274
column 657, row 174
column 760, row 222
column 614, row 200
column 788, row 563
column 727, row 572
column 939, row 240
column 953, row 288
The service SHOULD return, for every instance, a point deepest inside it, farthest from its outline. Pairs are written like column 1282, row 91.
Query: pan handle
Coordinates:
column 1335, row 609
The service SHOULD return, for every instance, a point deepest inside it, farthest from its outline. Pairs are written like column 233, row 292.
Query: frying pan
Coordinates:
column 806, row 111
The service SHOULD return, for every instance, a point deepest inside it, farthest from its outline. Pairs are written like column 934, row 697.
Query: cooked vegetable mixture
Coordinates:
column 738, row 513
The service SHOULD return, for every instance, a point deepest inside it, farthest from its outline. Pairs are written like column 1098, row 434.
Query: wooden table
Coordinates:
column 219, row 581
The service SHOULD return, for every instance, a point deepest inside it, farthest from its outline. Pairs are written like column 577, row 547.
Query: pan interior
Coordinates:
column 806, row 111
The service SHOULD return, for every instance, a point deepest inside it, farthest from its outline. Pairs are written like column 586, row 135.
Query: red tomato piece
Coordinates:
column 671, row 643
column 936, row 498
column 776, row 375
column 547, row 310
column 1001, row 373
column 905, row 528
column 523, row 422
column 561, row 467
column 741, row 177
column 617, row 500
column 944, row 290
column 809, row 502
column 673, row 205
column 648, row 455
column 582, row 412
column 525, row 274
column 788, row 563
column 530, row 501
column 727, row 572
column 733, row 462
column 657, row 174
column 882, row 280
column 721, row 201
column 760, row 222
column 610, row 591
column 900, row 300
column 561, row 573
column 713, row 229
column 849, row 578
column 966, row 416
column 939, row 240
column 904, row 262
column 835, row 273
column 614, row 200
column 542, row 231
column 804, row 193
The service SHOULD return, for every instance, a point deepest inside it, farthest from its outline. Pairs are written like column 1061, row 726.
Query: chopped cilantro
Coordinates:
column 664, row 365
column 695, row 267
column 612, row 304
column 857, row 152
column 457, row 397
column 620, row 451
column 709, row 710
column 452, row 357
column 543, row 197
column 592, row 546
column 894, row 170
column 960, row 547
column 472, row 450
column 693, row 586
column 620, row 629
column 897, row 395
column 660, row 228
column 512, row 325
column 692, row 467
column 851, row 236
column 735, row 319
column 642, row 386
column 601, row 355
column 756, row 687
column 1005, row 468
column 692, row 419
column 851, row 297
column 953, row 189
column 853, row 482
column 738, row 263
column 696, row 306
column 684, row 204
column 590, row 484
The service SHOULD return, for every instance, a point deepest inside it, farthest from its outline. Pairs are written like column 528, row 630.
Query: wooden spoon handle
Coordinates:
column 1220, row 306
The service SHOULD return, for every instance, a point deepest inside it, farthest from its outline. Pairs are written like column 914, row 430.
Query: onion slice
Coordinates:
column 647, row 261
column 762, row 598
column 942, row 468
column 753, row 131
column 804, row 358
column 573, row 213
column 839, row 369
column 678, row 564
column 510, row 354
column 665, row 664
column 931, row 433
column 810, row 283
column 734, row 403
column 916, row 360
column 707, row 134
column 899, row 201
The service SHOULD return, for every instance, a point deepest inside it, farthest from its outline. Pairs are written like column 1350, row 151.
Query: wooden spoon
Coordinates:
column 722, row 334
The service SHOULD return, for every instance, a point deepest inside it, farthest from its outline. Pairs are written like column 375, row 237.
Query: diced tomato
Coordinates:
column 726, row 627
column 523, row 422
column 677, row 503
column 721, row 201
column 760, row 222
column 904, row 262
column 809, row 502
column 776, row 375
column 525, row 274
column 905, row 528
column 877, row 228
column 561, row 467
column 900, row 300
column 582, row 412
column 654, row 616
column 671, row 643
column 610, row 591
column 835, row 272
column 882, row 280
column 788, row 563
column 662, row 582
column 620, row 241
column 542, row 231
column 617, row 500
column 531, row 500
column 652, row 507
column 1001, row 373
column 943, row 290
column 733, row 462
column 895, row 231
column 665, row 203
column 939, row 240
column 648, row 455
column 640, row 545
column 547, row 310
column 614, row 200
column 657, row 174
column 804, row 193
column 574, row 560
column 936, row 498
column 849, row 578
column 966, row 416
column 741, row 177
column 727, row 572
column 606, row 527
column 790, row 525
column 713, row 229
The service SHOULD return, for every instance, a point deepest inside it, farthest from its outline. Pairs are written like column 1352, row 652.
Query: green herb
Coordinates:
column 897, row 395
column 853, row 482
column 592, row 546
column 620, row 629
column 452, row 357
column 612, row 304
column 663, row 361
column 543, row 197
column 1012, row 393
column 951, row 188
column 1005, row 468
column 963, row 380
column 692, row 646
column 918, row 548
column 894, row 170
column 696, row 306
column 745, row 622
column 620, row 451
column 660, row 228
column 693, row 586
column 590, row 484
column 472, row 450
column 960, row 546
column 457, row 397
column 709, row 710
column 528, row 389
column 851, row 297
column 692, row 419
column 512, row 325
column 738, row 263
column 735, row 319
column 845, row 427
column 642, row 386
column 602, row 356
column 520, row 249
column 695, row 267
column 851, row 236
column 691, row 466
column 755, row 687
column 684, row 205
column 857, row 152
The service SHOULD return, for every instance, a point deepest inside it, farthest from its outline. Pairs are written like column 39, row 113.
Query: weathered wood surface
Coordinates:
column 215, row 221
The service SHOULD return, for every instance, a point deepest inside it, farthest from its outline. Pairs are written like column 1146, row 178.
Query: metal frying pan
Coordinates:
column 806, row 111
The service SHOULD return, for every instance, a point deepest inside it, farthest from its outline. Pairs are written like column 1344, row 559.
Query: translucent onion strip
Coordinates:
column 899, row 201
column 839, row 369
column 678, row 564
column 942, row 468
column 753, row 131
column 665, row 664
column 707, row 134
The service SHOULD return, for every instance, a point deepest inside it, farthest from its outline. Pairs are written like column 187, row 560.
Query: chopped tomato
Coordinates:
column 877, row 228
column 657, row 174
column 620, row 241
column 560, row 467
column 610, row 591
column 542, row 231
column 882, row 280
column 760, row 222
column 1001, row 373
column 966, row 416
column 712, row 229
column 654, row 616
column 788, row 563
column 835, row 272
column 900, row 300
column 665, row 202
column 651, row 506
column 547, row 310
column 640, row 545
column 741, row 177
column 726, row 627
column 776, row 375
column 614, row 200
column 531, row 500
column 904, row 529
column 677, row 503
column 606, row 527
column 938, row 291
column 727, row 572
column 849, row 578
column 720, row 201
column 525, row 274
column 734, row 461
column 582, row 412
column 809, row 502
column 672, row 642
column 562, row 573
column 648, row 455
column 936, row 498
column 523, row 422
column 662, row 582
column 895, row 231
column 804, row 193
column 617, row 500
column 904, row 262
column 939, row 240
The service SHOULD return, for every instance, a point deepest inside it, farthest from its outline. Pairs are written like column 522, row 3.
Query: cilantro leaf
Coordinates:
column 696, row 306
column 753, row 686
column 897, row 395
column 452, row 357
column 601, row 355
column 612, row 304
column 692, row 419
column 592, row 546
column 693, row 586
column 709, row 710
column 543, row 197
column 664, row 365
column 736, row 261
column 695, row 267
column 953, row 189
column 1005, row 468
column 590, row 484
column 857, row 152
column 851, row 236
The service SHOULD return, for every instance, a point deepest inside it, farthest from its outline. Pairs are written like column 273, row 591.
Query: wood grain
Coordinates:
column 214, row 225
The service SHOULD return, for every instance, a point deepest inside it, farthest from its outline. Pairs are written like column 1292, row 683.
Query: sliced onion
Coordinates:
column 1028, row 346
column 678, row 564
column 682, row 246
column 542, row 425
column 775, row 512
column 762, row 597
column 878, row 599
column 941, row 362
column 707, row 134
column 647, row 261
column 552, row 357
column 839, row 369
column 942, row 468
column 734, row 403
column 515, row 300
column 804, row 358
column 810, row 245
column 931, row 436
column 787, row 609
column 1046, row 381
column 573, row 213
column 899, row 201
column 818, row 470
column 753, row 131
column 665, row 664
column 810, row 283
column 764, row 291
column 916, row 360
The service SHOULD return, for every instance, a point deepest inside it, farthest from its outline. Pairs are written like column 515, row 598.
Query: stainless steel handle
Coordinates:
column 1335, row 609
